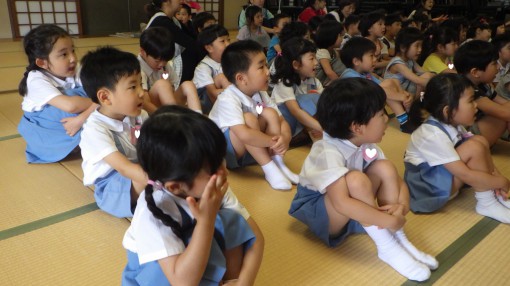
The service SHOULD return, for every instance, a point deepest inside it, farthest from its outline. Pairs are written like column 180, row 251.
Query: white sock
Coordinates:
column 275, row 177
column 294, row 178
column 503, row 202
column 422, row 257
column 489, row 206
column 392, row 253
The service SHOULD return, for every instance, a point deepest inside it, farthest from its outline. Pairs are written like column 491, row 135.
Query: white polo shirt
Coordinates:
column 282, row 93
column 330, row 159
column 150, row 76
column 43, row 87
column 97, row 142
column 430, row 144
column 232, row 103
column 205, row 72
column 151, row 239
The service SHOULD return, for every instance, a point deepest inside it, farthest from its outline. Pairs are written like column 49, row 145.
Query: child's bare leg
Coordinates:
column 187, row 94
column 234, row 259
column 476, row 155
column 492, row 128
column 221, row 81
column 162, row 93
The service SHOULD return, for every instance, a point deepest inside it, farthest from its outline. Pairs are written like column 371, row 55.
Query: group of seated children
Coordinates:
column 127, row 116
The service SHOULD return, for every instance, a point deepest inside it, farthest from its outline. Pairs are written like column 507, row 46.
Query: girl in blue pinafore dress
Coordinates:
column 296, row 90
column 186, row 205
column 54, row 105
column 442, row 156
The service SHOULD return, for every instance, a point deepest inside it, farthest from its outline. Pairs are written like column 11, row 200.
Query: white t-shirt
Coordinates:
column 323, row 54
column 151, row 239
column 232, row 103
column 282, row 93
column 430, row 144
column 150, row 76
column 43, row 87
column 330, row 159
column 97, row 142
column 205, row 72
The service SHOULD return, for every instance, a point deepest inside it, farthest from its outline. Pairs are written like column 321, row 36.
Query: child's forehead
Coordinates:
column 256, row 58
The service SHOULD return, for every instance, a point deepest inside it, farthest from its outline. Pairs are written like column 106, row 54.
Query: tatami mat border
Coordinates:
column 458, row 249
column 10, row 137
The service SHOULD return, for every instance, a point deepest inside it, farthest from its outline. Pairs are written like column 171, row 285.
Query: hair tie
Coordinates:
column 279, row 54
column 431, row 36
column 421, row 96
column 157, row 185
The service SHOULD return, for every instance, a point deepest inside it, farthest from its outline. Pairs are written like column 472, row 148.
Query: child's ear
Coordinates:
column 474, row 72
column 41, row 63
column 143, row 53
column 103, row 96
column 296, row 65
column 175, row 188
column 356, row 129
column 446, row 110
column 240, row 78
column 209, row 48
column 356, row 61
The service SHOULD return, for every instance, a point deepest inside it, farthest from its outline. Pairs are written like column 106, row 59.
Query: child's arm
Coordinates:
column 476, row 179
column 70, row 104
column 409, row 74
column 328, row 70
column 252, row 257
column 188, row 267
column 126, row 168
column 277, row 48
column 73, row 124
column 213, row 91
column 499, row 108
column 249, row 136
column 302, row 116
column 147, row 103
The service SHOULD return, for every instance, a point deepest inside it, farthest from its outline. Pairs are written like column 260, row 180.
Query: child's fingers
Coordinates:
column 193, row 206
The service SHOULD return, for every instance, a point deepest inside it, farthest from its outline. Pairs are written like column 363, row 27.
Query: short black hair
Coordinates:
column 327, row 33
column 200, row 19
column 158, row 43
column 293, row 29
column 351, row 20
column 392, row 18
column 211, row 33
column 500, row 41
column 186, row 7
column 347, row 101
column 355, row 48
column 405, row 38
column 368, row 20
column 236, row 58
column 104, row 67
column 474, row 54
column 279, row 17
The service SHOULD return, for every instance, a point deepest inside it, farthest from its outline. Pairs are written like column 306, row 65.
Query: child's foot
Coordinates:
column 422, row 257
column 503, row 202
column 275, row 177
column 393, row 254
column 489, row 206
column 294, row 178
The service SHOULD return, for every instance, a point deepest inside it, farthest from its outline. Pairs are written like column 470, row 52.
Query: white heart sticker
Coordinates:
column 370, row 153
column 450, row 66
column 165, row 75
column 137, row 133
column 259, row 109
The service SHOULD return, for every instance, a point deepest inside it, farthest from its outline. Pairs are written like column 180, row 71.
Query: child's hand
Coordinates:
column 279, row 147
column 72, row 125
column 397, row 211
column 231, row 282
column 210, row 201
column 408, row 100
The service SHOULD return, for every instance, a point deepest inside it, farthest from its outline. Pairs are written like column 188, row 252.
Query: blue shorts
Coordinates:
column 232, row 161
column 308, row 207
column 307, row 102
column 113, row 194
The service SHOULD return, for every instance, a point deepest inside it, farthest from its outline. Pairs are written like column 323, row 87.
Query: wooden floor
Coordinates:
column 52, row 233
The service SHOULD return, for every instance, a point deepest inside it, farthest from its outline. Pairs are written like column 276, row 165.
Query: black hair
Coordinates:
column 500, row 41
column 478, row 24
column 38, row 44
column 309, row 3
column 434, row 36
column 327, row 33
column 211, row 33
column 158, row 43
column 341, row 5
column 474, row 54
column 355, row 48
column 104, row 67
column 200, row 19
column 186, row 7
column 368, row 20
column 458, row 24
column 279, row 17
column 392, row 18
column 442, row 90
column 351, row 20
column 293, row 29
column 251, row 11
column 292, row 50
column 236, row 58
column 163, row 156
column 421, row 18
column 317, row 20
column 405, row 38
column 347, row 101
column 153, row 7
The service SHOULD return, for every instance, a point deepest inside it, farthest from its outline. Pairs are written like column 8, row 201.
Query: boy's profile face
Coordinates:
column 155, row 64
column 125, row 100
column 366, row 64
column 216, row 48
column 504, row 53
column 281, row 23
column 373, row 131
column 256, row 78
column 377, row 29
column 489, row 74
column 394, row 28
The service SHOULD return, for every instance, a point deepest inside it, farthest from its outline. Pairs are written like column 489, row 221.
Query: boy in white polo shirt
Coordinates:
column 249, row 118
column 159, row 79
column 112, row 79
column 209, row 78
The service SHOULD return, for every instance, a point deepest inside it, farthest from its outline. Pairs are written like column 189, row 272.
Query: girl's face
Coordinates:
column 377, row 29
column 465, row 113
column 258, row 19
column 61, row 61
column 483, row 35
column 307, row 66
column 348, row 10
column 448, row 49
column 183, row 16
column 428, row 4
column 414, row 50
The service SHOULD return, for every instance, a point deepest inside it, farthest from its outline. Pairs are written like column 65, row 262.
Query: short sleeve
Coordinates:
column 40, row 90
column 227, row 111
column 230, row 201
column 323, row 54
column 282, row 93
column 203, row 75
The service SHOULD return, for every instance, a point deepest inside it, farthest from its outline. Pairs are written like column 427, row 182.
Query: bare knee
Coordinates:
column 382, row 169
column 251, row 120
column 357, row 180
